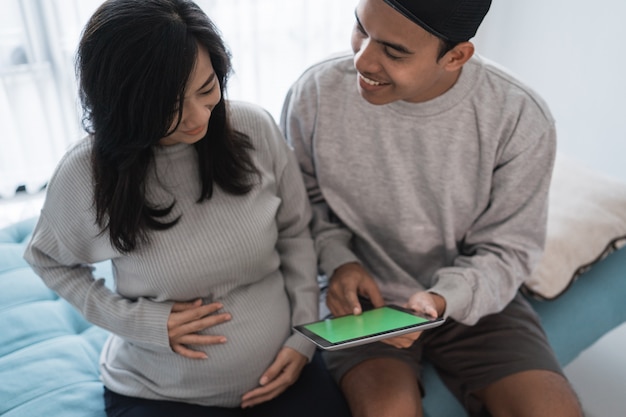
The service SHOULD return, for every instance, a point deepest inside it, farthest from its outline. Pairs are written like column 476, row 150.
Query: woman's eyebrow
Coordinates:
column 207, row 82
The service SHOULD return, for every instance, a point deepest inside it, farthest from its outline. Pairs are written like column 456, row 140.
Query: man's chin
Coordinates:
column 375, row 100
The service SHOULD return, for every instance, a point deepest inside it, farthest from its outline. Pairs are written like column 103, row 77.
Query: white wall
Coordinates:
column 572, row 53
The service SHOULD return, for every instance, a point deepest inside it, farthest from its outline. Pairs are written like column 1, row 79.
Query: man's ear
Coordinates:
column 456, row 57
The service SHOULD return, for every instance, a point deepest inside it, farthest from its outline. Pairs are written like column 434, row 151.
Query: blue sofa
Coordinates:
column 49, row 353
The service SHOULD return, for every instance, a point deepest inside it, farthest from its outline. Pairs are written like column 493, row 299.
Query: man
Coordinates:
column 428, row 170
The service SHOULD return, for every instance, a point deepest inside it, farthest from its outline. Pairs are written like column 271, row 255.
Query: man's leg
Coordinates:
column 382, row 387
column 378, row 379
column 531, row 393
column 502, row 366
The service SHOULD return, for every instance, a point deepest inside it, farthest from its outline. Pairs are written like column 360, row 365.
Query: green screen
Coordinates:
column 370, row 322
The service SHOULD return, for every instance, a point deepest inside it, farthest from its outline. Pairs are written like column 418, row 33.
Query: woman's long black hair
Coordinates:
column 133, row 62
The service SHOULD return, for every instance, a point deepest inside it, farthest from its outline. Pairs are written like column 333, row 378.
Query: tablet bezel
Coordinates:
column 327, row 345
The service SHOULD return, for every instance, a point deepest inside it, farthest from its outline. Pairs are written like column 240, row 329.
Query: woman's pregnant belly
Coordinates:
column 259, row 326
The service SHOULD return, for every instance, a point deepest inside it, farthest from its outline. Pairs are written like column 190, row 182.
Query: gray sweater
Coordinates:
column 448, row 195
column 253, row 253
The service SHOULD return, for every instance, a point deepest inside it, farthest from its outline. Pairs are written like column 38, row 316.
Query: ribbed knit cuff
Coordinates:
column 301, row 344
column 458, row 294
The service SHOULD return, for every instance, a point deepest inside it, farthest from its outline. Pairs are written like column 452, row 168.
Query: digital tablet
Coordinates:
column 369, row 326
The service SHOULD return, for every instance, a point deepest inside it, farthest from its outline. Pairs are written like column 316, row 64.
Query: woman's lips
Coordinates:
column 194, row 132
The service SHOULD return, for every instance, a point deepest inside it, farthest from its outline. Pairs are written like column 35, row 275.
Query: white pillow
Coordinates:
column 586, row 222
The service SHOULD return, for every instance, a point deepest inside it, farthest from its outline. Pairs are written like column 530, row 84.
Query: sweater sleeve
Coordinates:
column 294, row 245
column 64, row 246
column 332, row 238
column 506, row 241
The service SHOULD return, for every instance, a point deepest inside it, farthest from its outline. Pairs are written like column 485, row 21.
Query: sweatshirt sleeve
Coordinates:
column 332, row 238
column 66, row 243
column 506, row 241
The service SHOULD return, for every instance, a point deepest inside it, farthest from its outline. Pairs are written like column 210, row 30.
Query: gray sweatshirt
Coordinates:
column 449, row 195
column 253, row 253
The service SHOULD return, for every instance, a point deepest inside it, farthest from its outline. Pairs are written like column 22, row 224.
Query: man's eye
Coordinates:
column 392, row 55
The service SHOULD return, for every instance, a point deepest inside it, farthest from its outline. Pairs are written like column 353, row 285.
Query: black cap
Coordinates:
column 453, row 20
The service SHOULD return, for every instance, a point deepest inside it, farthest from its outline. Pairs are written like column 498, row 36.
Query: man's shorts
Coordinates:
column 467, row 358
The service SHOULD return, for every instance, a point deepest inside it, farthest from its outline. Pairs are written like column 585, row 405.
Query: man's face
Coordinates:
column 395, row 58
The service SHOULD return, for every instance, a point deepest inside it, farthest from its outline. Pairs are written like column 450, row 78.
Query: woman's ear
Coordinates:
column 456, row 57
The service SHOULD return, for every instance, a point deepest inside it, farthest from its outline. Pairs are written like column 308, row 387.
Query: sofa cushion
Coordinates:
column 586, row 222
column 48, row 352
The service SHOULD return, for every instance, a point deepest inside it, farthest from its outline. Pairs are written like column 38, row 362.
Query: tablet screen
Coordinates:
column 367, row 327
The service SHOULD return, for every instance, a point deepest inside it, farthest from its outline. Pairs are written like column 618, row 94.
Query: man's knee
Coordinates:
column 534, row 393
column 382, row 387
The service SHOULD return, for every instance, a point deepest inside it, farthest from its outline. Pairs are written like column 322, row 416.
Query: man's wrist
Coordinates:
column 440, row 303
column 346, row 266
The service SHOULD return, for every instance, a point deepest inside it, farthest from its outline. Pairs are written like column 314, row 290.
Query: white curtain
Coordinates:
column 37, row 95
column 272, row 42
column 32, row 136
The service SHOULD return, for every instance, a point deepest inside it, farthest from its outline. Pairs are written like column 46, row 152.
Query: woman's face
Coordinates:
column 202, row 95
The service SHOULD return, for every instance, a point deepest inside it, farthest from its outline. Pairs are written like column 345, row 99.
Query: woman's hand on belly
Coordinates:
column 281, row 374
column 187, row 319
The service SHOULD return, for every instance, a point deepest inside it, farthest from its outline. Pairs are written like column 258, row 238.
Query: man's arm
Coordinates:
column 332, row 238
column 347, row 278
column 506, row 241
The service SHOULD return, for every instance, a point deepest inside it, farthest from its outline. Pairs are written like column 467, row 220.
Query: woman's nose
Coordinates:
column 196, row 114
